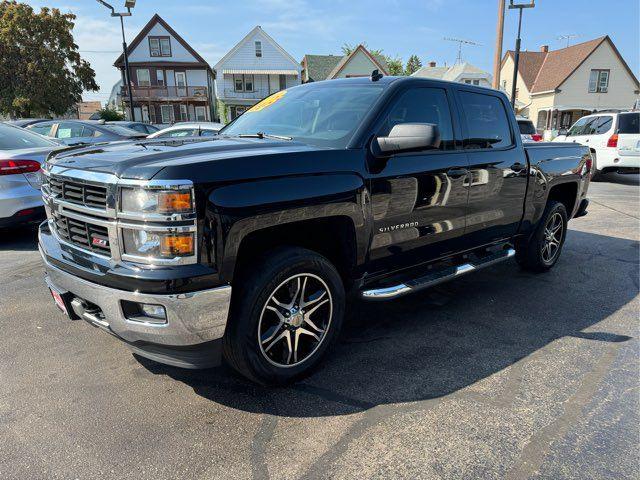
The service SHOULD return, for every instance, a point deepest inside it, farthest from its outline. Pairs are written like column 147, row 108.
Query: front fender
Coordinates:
column 247, row 207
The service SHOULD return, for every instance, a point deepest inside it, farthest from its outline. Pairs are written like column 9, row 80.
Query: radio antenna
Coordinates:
column 460, row 42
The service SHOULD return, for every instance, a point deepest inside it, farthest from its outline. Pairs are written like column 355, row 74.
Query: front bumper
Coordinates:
column 195, row 321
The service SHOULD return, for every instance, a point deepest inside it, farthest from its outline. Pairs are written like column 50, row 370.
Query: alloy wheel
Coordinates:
column 553, row 232
column 295, row 320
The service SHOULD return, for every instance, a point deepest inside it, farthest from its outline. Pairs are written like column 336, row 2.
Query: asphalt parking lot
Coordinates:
column 501, row 374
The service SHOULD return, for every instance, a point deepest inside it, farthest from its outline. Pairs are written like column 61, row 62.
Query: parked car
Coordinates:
column 379, row 186
column 25, row 122
column 189, row 129
column 528, row 131
column 21, row 155
column 612, row 137
column 141, row 127
column 77, row 132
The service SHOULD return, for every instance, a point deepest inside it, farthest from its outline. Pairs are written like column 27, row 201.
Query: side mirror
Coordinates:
column 563, row 131
column 408, row 137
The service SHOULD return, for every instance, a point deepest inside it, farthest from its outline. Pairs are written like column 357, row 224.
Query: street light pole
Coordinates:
column 497, row 55
column 516, row 59
column 127, row 77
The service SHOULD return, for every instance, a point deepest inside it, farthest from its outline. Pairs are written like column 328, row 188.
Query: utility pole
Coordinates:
column 497, row 56
column 516, row 60
column 129, row 4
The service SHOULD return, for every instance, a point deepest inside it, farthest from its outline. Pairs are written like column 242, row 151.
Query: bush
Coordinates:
column 110, row 114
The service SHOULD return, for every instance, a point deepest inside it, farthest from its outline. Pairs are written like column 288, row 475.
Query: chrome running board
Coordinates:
column 432, row 279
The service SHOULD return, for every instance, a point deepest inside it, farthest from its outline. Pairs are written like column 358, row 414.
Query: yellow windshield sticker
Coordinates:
column 267, row 101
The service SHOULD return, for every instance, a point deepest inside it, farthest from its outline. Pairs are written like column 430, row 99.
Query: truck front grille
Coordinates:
column 79, row 193
column 83, row 234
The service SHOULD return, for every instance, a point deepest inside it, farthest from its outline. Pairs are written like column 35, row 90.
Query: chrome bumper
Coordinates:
column 192, row 318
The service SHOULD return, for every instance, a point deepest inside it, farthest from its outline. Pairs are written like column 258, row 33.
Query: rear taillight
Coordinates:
column 13, row 167
column 536, row 137
column 588, row 164
column 613, row 141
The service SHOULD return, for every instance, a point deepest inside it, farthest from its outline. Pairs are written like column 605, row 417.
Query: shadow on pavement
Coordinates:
column 23, row 238
column 620, row 178
column 434, row 343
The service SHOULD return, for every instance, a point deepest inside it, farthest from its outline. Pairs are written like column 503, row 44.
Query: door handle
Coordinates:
column 457, row 172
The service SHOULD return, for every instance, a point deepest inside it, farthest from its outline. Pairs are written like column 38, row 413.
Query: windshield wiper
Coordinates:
column 264, row 135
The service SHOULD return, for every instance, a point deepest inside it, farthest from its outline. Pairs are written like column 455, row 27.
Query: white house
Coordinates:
column 252, row 70
column 461, row 72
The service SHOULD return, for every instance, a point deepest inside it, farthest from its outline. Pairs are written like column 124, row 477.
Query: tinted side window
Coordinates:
column 603, row 125
column 41, row 128
column 423, row 105
column 487, row 121
column 629, row 123
column 582, row 126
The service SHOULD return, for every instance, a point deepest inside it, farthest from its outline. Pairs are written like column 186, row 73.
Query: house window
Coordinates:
column 160, row 76
column 599, row 81
column 167, row 113
column 160, row 46
column 201, row 114
column 258, row 49
column 243, row 83
column 468, row 82
column 183, row 113
column 283, row 82
column 476, row 82
column 144, row 80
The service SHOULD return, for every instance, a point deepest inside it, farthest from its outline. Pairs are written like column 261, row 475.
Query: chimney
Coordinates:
column 544, row 48
column 432, row 63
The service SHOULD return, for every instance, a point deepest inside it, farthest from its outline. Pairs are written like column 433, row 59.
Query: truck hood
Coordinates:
column 142, row 160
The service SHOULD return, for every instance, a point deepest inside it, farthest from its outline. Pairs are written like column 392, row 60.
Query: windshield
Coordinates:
column 122, row 131
column 325, row 116
column 526, row 127
column 629, row 123
column 15, row 138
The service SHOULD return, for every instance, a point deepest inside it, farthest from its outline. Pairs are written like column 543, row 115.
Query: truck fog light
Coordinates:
column 154, row 311
column 148, row 313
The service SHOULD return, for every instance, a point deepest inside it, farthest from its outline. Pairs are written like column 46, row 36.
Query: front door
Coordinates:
column 419, row 199
column 497, row 180
column 181, row 84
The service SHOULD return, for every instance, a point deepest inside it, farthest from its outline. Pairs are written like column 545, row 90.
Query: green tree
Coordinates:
column 41, row 71
column 395, row 66
column 413, row 65
column 110, row 114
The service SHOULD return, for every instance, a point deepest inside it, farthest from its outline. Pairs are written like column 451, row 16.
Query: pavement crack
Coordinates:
column 259, row 467
column 614, row 209
column 533, row 454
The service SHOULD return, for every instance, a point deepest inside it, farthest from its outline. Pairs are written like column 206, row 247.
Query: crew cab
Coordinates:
column 245, row 246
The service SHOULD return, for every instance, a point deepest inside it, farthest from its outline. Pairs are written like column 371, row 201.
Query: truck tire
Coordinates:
column 544, row 247
column 286, row 313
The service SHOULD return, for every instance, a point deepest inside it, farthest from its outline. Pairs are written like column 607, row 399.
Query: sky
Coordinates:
column 398, row 27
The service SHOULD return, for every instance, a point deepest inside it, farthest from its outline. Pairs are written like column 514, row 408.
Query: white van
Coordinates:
column 614, row 138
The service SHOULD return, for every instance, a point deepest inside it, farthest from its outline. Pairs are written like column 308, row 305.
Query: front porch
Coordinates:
column 168, row 113
column 552, row 120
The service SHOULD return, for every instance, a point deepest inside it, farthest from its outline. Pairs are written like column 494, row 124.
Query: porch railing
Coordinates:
column 199, row 92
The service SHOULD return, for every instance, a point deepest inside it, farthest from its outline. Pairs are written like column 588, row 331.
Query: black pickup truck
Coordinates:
column 246, row 246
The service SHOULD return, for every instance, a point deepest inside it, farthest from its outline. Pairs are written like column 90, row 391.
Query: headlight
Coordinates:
column 143, row 201
column 145, row 243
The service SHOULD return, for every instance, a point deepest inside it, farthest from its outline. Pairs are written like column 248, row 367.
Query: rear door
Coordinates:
column 418, row 199
column 628, row 131
column 497, row 181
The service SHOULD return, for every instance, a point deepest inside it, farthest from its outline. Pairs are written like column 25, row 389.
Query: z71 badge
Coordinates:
column 400, row 226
